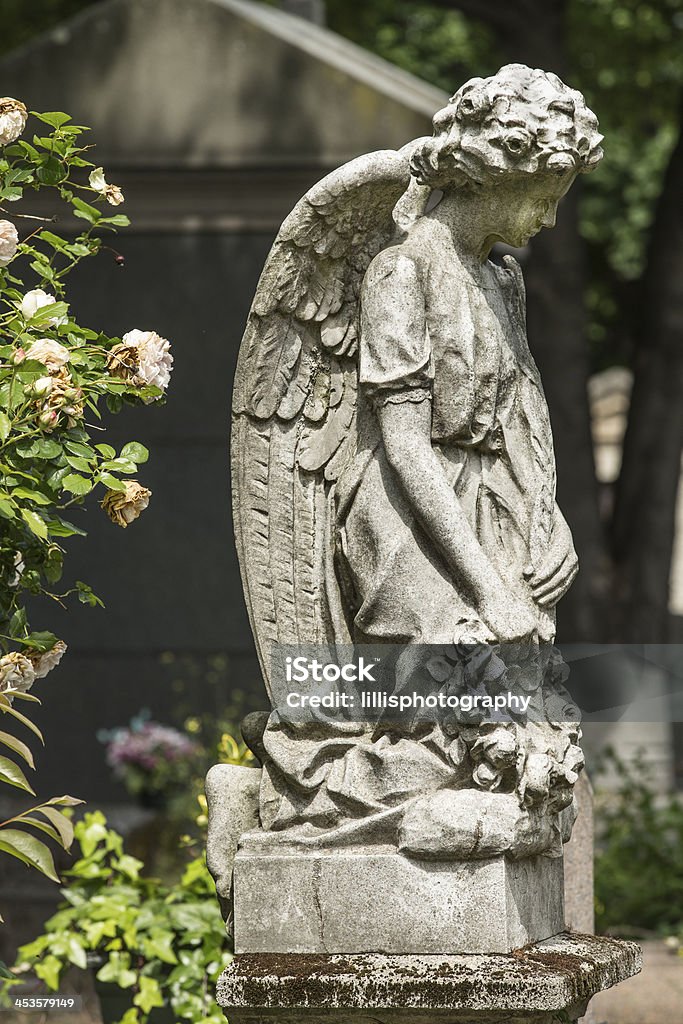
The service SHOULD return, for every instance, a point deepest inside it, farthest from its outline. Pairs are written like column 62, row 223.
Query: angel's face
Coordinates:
column 520, row 208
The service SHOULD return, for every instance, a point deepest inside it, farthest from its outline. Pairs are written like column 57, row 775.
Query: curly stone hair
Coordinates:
column 520, row 121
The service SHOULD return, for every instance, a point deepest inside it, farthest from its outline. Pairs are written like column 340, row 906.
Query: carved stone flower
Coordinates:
column 112, row 193
column 16, row 672
column 9, row 240
column 13, row 116
column 35, row 300
column 142, row 358
column 44, row 661
column 123, row 507
column 48, row 352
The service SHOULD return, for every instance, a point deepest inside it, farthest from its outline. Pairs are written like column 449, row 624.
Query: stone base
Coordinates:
column 544, row 984
column 375, row 900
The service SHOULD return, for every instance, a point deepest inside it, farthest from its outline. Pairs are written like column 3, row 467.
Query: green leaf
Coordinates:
column 63, row 528
column 30, row 850
column 76, row 484
column 106, row 450
column 34, row 522
column 76, row 953
column 120, row 465
column 41, row 640
column 9, row 710
column 149, row 994
column 45, row 448
column 60, row 821
column 84, row 210
column 12, row 774
column 30, row 495
column 49, row 970
column 135, row 451
column 18, row 747
column 5, row 426
column 55, row 118
column 112, row 482
column 51, row 171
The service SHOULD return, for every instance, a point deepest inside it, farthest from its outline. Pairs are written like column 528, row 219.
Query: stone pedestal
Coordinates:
column 547, row 983
column 373, row 899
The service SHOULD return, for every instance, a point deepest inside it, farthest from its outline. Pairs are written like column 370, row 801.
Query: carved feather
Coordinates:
column 295, row 399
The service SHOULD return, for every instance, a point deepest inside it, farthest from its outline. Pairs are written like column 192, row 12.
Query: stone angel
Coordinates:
column 393, row 466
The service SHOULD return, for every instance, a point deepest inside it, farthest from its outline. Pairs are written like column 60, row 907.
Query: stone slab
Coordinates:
column 543, row 983
column 377, row 900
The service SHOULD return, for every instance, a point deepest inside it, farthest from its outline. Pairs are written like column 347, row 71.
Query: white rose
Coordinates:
column 16, row 672
column 45, row 661
column 35, row 300
column 9, row 240
column 112, row 193
column 13, row 116
column 48, row 352
column 144, row 358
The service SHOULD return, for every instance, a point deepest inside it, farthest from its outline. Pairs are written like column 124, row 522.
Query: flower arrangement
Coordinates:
column 56, row 375
column 150, row 758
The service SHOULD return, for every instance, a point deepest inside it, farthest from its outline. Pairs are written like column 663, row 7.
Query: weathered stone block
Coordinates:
column 544, row 984
column 377, row 900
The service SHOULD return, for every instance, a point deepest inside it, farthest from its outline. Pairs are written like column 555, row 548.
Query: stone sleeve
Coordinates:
column 395, row 354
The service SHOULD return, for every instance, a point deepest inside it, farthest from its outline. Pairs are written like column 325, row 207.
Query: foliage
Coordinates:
column 161, row 943
column 149, row 757
column 639, row 852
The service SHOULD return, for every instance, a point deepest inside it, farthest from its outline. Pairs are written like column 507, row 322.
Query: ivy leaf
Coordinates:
column 149, row 995
column 30, row 850
column 48, row 970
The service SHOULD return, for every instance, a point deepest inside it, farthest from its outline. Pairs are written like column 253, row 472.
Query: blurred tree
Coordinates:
column 23, row 19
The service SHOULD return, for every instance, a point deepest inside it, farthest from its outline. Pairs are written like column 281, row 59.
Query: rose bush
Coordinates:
column 55, row 377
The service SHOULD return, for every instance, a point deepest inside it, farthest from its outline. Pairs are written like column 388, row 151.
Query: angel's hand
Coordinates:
column 507, row 617
column 554, row 576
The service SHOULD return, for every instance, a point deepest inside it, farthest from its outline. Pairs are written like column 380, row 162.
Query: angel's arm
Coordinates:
column 395, row 369
column 406, row 434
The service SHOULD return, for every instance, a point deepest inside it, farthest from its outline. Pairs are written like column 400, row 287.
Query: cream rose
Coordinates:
column 48, row 352
column 9, row 240
column 123, row 507
column 44, row 661
column 35, row 300
column 143, row 357
column 13, row 116
column 112, row 193
column 16, row 672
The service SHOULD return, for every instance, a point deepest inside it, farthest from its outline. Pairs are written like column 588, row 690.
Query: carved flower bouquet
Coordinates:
column 151, row 759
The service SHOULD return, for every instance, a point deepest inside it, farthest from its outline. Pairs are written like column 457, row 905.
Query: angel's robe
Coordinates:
column 432, row 332
column 429, row 332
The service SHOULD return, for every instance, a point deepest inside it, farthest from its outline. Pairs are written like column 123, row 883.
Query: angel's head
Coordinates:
column 520, row 122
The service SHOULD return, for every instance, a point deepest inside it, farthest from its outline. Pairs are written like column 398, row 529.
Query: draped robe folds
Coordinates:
column 432, row 330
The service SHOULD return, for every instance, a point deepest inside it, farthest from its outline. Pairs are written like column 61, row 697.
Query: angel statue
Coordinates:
column 394, row 476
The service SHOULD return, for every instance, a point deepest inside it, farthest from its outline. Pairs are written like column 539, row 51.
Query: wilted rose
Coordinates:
column 123, row 507
column 112, row 193
column 16, row 672
column 143, row 358
column 9, row 240
column 44, row 661
column 48, row 352
column 13, row 116
column 35, row 300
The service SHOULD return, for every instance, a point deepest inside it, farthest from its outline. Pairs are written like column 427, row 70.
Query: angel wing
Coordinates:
column 294, row 402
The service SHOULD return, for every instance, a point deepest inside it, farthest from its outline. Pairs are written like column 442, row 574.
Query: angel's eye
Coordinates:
column 517, row 142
